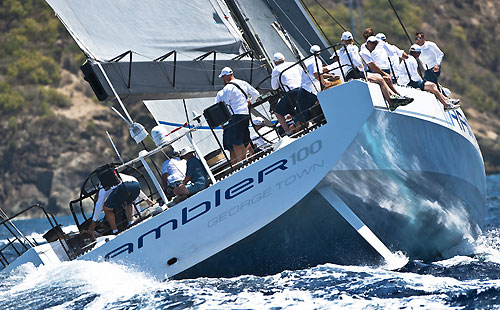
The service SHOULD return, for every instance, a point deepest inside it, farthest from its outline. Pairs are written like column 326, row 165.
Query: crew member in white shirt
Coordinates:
column 291, row 79
column 348, row 57
column 431, row 57
column 312, row 79
column 123, row 194
column 380, row 77
column 414, row 80
column 394, row 53
column 237, row 95
column 173, row 171
column 376, row 60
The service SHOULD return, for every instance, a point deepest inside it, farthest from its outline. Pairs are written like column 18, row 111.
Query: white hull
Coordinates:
column 267, row 217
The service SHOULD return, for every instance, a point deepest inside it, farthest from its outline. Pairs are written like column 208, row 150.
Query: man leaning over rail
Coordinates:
column 121, row 195
column 312, row 79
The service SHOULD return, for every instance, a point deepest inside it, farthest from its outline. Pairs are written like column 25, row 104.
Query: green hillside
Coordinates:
column 53, row 128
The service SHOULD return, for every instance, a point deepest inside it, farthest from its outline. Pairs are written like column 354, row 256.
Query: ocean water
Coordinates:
column 461, row 282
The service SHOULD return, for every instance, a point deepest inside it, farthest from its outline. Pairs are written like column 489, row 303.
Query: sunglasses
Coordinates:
column 418, row 38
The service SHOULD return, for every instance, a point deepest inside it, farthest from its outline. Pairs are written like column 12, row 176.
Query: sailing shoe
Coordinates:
column 394, row 104
column 406, row 100
column 454, row 101
column 451, row 107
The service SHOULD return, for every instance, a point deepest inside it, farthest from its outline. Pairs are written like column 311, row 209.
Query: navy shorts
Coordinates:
column 236, row 132
column 125, row 192
column 431, row 76
column 286, row 105
column 419, row 84
column 305, row 100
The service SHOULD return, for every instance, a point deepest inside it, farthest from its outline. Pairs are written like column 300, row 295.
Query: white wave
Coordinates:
column 487, row 246
column 92, row 285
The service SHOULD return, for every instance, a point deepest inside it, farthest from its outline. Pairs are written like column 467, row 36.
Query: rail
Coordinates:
column 24, row 244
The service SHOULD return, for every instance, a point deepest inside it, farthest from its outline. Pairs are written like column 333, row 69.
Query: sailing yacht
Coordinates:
column 354, row 188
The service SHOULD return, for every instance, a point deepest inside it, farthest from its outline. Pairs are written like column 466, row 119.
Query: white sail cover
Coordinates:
column 105, row 29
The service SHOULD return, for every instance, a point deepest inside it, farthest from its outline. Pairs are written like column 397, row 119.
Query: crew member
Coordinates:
column 237, row 95
column 430, row 56
column 349, row 58
column 414, row 80
column 173, row 171
column 291, row 79
column 121, row 195
column 196, row 176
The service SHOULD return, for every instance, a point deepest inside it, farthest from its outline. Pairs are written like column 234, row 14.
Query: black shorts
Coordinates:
column 305, row 100
column 236, row 132
column 124, row 192
column 419, row 84
column 286, row 105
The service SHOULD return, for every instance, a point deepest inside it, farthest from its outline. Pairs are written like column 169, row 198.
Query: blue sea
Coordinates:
column 460, row 282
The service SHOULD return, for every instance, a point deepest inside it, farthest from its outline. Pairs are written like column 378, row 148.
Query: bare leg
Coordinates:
column 386, row 91
column 239, row 153
column 282, row 121
column 110, row 217
column 388, row 81
column 181, row 190
column 432, row 88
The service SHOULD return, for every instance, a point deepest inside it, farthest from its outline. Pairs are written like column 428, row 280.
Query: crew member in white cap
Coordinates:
column 431, row 57
column 380, row 77
column 291, row 79
column 414, row 80
column 237, row 95
column 349, row 58
column 196, row 176
column 394, row 53
column 173, row 171
column 312, row 79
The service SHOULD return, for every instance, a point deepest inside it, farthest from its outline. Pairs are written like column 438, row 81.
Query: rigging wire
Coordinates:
column 334, row 19
column 317, row 23
column 401, row 22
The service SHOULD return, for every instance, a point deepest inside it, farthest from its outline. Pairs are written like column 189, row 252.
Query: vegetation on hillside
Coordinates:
column 472, row 59
column 37, row 56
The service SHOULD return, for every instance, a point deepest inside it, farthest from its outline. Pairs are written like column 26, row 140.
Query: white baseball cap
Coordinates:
column 278, row 56
column 346, row 36
column 186, row 151
column 314, row 49
column 372, row 39
column 258, row 121
column 381, row 36
column 226, row 71
column 415, row 48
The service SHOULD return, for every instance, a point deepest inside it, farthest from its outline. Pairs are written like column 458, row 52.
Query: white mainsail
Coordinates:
column 105, row 29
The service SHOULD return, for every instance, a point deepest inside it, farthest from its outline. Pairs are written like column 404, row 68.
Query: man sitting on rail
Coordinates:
column 173, row 171
column 414, row 80
column 196, row 176
column 382, row 78
column 349, row 57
